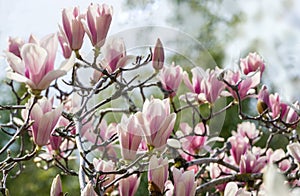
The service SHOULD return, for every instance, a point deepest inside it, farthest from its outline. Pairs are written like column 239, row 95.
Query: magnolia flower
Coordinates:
column 248, row 129
column 251, row 163
column 45, row 119
column 158, row 57
column 128, row 186
column 98, row 19
column 36, row 65
column 114, row 53
column 56, row 188
column 104, row 166
column 239, row 146
column 205, row 86
column 262, row 100
column 232, row 189
column 288, row 113
column 253, row 62
column 157, row 174
column 294, row 150
column 276, row 156
column 193, row 143
column 14, row 45
column 184, row 182
column 156, row 122
column 72, row 33
column 246, row 86
column 129, row 136
column 170, row 78
column 88, row 190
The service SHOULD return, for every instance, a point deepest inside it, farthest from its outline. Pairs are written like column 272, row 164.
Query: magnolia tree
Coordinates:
column 140, row 114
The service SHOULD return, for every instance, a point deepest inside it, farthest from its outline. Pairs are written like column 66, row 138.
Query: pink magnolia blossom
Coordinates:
column 205, row 86
column 246, row 86
column 128, row 186
column 193, row 143
column 72, row 33
column 251, row 163
column 98, row 19
column 239, row 146
column 105, row 166
column 170, row 78
column 158, row 173
column 56, row 188
column 274, row 105
column 252, row 63
column 288, row 113
column 262, row 100
column 248, row 129
column 114, row 53
column 156, row 122
column 294, row 150
column 158, row 57
column 184, row 182
column 129, row 136
column 45, row 119
column 277, row 155
column 88, row 190
column 14, row 45
column 36, row 65
column 232, row 189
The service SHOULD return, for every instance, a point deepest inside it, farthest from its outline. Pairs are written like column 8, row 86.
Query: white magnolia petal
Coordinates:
column 49, row 77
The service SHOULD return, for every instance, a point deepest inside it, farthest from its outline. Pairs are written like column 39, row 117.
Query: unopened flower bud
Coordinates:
column 158, row 56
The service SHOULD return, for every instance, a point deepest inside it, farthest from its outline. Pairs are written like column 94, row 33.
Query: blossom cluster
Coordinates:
column 160, row 124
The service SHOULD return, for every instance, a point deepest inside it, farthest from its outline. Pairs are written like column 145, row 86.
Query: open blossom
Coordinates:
column 105, row 166
column 72, row 33
column 157, row 174
column 193, row 143
column 158, row 57
column 129, row 136
column 56, row 188
column 128, row 186
column 45, row 119
column 252, row 163
column 114, row 53
column 35, row 67
column 170, row 78
column 246, row 86
column 248, row 129
column 253, row 62
column 205, row 86
column 98, row 19
column 156, row 122
column 275, row 156
column 184, row 182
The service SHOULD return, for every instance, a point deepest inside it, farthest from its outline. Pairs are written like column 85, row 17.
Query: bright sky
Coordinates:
column 273, row 25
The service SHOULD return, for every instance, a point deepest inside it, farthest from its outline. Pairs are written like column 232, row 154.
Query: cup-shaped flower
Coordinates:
column 156, row 121
column 45, row 119
column 157, row 174
column 275, row 105
column 193, row 142
column 104, row 166
column 170, row 78
column 56, row 188
column 128, row 186
column 88, row 190
column 205, row 86
column 114, row 53
column 36, row 65
column 251, row 163
column 158, row 57
column 248, row 129
column 252, row 63
column 71, row 34
column 294, row 150
column 239, row 145
column 129, row 136
column 184, row 182
column 289, row 114
column 98, row 19
column 278, row 157
column 246, row 86
column 14, row 45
